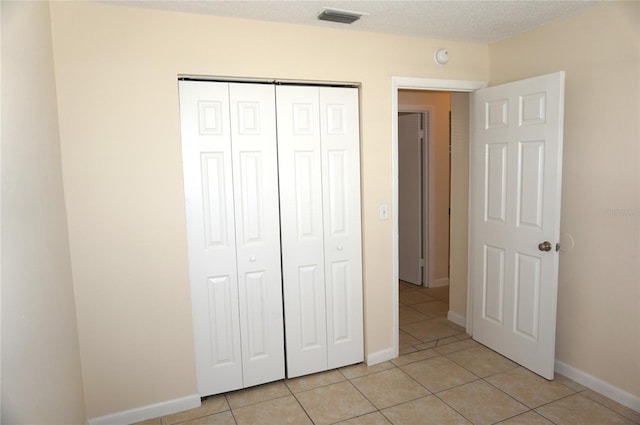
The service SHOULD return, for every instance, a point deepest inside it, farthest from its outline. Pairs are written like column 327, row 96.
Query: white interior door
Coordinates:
column 410, row 197
column 231, row 194
column 516, row 162
column 302, row 237
column 255, row 176
column 206, row 155
column 340, row 151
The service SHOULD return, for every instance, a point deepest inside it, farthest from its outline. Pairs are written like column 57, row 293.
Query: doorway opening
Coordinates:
column 445, row 88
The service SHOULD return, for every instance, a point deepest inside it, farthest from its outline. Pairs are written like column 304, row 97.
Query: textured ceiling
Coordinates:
column 479, row 21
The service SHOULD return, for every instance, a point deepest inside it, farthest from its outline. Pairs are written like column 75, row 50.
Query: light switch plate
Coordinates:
column 383, row 212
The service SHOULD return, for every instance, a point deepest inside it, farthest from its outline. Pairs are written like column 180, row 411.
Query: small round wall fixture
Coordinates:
column 441, row 56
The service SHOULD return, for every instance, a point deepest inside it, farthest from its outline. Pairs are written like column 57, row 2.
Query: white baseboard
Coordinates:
column 148, row 412
column 439, row 282
column 598, row 385
column 381, row 356
column 456, row 318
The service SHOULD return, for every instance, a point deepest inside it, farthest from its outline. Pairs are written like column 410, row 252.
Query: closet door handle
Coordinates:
column 252, row 259
column 339, row 247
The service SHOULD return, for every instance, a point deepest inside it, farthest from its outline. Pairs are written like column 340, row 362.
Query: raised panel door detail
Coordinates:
column 210, row 117
column 337, row 192
column 248, row 118
column 221, row 323
column 305, row 166
column 336, row 120
column 493, row 285
column 497, row 114
column 311, row 320
column 257, row 320
column 252, row 196
column 303, row 119
column 530, row 183
column 340, row 302
column 214, row 199
column 527, row 295
column 532, row 109
column 496, row 182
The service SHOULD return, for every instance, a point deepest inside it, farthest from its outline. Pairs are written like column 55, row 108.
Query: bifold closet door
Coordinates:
column 318, row 147
column 231, row 193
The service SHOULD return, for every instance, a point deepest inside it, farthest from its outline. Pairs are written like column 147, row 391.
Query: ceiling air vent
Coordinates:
column 341, row 16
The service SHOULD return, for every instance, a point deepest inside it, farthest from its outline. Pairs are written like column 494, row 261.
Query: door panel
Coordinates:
column 340, row 152
column 255, row 175
column 302, row 238
column 410, row 198
column 206, row 153
column 515, row 205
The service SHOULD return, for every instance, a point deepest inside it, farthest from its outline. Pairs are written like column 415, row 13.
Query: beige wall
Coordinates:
column 41, row 380
column 459, row 241
column 116, row 72
column 438, row 179
column 598, row 328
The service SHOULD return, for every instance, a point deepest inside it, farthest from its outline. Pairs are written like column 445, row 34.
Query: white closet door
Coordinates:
column 206, row 153
column 255, row 175
column 302, row 233
column 340, row 150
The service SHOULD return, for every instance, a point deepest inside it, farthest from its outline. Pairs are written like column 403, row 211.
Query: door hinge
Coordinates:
column 557, row 247
column 422, row 262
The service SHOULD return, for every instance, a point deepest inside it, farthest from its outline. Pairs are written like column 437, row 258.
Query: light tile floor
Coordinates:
column 441, row 377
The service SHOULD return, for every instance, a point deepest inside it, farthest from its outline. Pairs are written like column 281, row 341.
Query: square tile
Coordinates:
column 257, row 394
column 414, row 297
column 561, row 379
column 361, row 369
column 457, row 346
column 529, row 388
column 613, row 405
column 308, row 382
column 578, row 409
column 438, row 373
column 529, row 418
column 334, row 403
column 482, row 403
column 424, row 411
column 428, row 330
column 414, row 357
column 375, row 418
column 426, row 345
column 409, row 315
column 406, row 350
column 389, row 387
column 285, row 410
column 209, row 406
column 445, row 341
column 482, row 361
column 434, row 308
column 407, row 340
column 224, row 418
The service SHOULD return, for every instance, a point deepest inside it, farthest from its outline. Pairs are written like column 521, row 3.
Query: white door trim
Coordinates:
column 398, row 83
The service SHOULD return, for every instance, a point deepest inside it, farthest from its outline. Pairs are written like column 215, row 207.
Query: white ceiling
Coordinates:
column 479, row 21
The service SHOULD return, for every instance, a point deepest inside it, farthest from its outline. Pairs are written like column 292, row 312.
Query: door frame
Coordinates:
column 412, row 83
column 427, row 189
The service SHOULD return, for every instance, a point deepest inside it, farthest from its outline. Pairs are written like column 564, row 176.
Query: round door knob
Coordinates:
column 339, row 247
column 252, row 259
column 544, row 246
